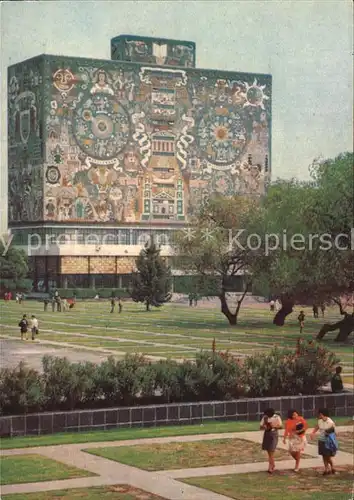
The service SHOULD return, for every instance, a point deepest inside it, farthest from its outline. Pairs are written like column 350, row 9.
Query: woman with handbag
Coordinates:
column 270, row 423
column 327, row 443
column 295, row 430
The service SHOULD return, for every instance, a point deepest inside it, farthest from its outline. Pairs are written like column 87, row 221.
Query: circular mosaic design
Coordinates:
column 52, row 175
column 222, row 184
column 101, row 127
column 222, row 135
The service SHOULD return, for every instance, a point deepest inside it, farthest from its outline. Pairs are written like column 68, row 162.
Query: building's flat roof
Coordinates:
column 140, row 64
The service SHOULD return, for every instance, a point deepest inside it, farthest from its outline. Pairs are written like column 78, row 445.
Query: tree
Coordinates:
column 316, row 265
column 212, row 250
column 13, row 268
column 151, row 283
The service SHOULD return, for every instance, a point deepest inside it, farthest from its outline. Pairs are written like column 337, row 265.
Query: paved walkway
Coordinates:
column 163, row 483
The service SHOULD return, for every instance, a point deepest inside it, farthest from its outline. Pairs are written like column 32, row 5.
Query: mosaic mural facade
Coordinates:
column 25, row 141
column 121, row 142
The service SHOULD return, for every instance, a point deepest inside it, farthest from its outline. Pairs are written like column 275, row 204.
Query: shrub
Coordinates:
column 90, row 293
column 21, row 390
column 134, row 379
column 68, row 385
column 120, row 382
column 286, row 372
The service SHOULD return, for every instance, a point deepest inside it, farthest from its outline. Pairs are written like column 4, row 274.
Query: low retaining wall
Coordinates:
column 171, row 414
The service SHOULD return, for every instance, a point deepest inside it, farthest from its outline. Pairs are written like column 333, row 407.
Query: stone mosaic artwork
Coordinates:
column 25, row 152
column 129, row 143
column 153, row 51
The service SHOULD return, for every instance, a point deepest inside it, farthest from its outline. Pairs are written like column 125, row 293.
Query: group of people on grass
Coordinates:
column 295, row 434
column 117, row 300
column 19, row 297
column 29, row 325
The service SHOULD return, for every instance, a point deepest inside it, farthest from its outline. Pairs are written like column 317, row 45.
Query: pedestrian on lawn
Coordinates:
column 53, row 303
column 315, row 311
column 327, row 442
column 295, row 431
column 270, row 423
column 120, row 305
column 113, row 304
column 23, row 324
column 323, row 308
column 301, row 320
column 34, row 326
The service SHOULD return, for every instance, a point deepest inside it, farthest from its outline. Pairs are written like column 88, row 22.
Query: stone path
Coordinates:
column 163, row 483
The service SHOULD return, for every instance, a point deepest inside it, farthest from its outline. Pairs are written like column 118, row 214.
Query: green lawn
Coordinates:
column 33, row 468
column 176, row 327
column 119, row 492
column 309, row 484
column 346, row 442
column 213, row 427
column 168, row 456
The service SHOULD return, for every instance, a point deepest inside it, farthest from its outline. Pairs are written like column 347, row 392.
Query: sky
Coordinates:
column 306, row 45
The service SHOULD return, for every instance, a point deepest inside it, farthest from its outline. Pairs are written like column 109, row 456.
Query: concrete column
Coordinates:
column 92, row 282
column 120, row 281
column 65, row 282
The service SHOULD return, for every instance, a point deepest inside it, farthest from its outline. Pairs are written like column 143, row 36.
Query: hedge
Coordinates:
column 90, row 293
column 135, row 380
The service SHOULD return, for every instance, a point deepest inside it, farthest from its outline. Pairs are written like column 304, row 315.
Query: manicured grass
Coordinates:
column 348, row 380
column 119, row 492
column 127, row 434
column 346, row 442
column 33, row 468
column 168, row 456
column 213, row 427
column 172, row 325
column 309, row 484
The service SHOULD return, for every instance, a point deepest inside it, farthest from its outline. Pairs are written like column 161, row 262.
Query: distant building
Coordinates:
column 101, row 154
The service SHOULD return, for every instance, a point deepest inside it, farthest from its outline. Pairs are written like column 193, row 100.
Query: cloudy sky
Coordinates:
column 306, row 46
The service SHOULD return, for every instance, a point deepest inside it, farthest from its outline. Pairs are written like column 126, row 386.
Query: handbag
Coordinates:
column 331, row 442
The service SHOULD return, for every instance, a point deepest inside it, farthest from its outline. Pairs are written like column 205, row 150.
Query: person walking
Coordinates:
column 34, row 326
column 46, row 302
column 301, row 320
column 53, row 303
column 315, row 311
column 113, row 304
column 295, row 431
column 336, row 381
column 272, row 305
column 270, row 423
column 23, row 324
column 120, row 305
column 323, row 308
column 327, row 442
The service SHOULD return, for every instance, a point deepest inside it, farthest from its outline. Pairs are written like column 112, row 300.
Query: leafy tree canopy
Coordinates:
column 13, row 266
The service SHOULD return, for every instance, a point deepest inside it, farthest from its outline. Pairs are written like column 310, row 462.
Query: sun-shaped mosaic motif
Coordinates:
column 255, row 95
column 221, row 135
column 101, row 127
